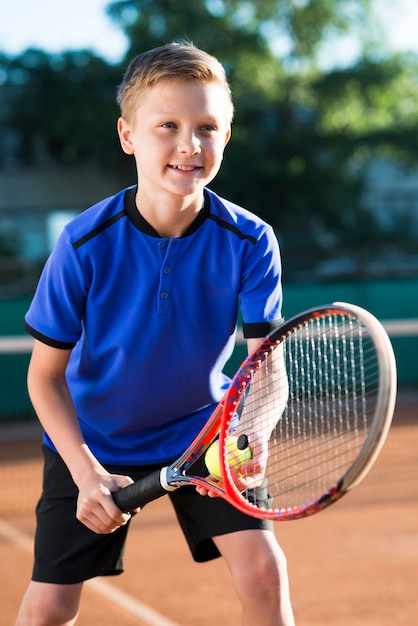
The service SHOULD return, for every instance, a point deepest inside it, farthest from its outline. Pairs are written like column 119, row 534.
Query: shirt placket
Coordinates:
column 165, row 289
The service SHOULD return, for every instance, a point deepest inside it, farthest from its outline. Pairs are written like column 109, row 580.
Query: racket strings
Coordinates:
column 316, row 411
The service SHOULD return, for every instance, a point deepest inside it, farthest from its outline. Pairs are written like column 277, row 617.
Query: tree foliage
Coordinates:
column 61, row 106
column 303, row 135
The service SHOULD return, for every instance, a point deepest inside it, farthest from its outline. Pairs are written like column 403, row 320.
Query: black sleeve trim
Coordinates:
column 260, row 329
column 62, row 345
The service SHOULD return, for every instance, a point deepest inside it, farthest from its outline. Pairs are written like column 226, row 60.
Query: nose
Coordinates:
column 188, row 143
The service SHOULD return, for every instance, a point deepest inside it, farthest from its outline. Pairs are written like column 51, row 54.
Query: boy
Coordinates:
column 133, row 287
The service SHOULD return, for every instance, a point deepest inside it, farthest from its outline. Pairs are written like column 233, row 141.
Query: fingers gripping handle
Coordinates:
column 145, row 490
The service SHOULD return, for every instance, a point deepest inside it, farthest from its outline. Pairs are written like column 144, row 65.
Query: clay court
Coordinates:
column 355, row 564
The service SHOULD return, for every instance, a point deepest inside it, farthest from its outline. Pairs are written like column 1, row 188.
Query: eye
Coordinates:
column 208, row 128
column 169, row 125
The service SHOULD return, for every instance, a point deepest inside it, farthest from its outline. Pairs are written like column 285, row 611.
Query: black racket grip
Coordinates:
column 140, row 493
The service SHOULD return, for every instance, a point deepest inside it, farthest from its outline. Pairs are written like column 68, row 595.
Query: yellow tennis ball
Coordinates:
column 236, row 457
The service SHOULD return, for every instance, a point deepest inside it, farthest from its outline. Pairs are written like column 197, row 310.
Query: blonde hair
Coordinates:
column 174, row 61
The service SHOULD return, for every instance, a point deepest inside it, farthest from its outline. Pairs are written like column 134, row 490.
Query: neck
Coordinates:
column 171, row 218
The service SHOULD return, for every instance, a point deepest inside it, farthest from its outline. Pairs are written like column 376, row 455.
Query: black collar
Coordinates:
column 141, row 223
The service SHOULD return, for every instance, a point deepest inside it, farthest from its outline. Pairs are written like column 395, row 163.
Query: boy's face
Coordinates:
column 178, row 135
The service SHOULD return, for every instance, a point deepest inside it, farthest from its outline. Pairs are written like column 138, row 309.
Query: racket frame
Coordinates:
column 174, row 476
column 380, row 425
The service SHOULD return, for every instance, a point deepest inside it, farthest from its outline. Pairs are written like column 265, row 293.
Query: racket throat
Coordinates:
column 164, row 482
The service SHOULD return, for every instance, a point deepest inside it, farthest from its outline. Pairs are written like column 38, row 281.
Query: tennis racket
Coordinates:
column 315, row 402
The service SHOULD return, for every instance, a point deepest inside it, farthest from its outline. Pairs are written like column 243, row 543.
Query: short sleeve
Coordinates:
column 56, row 312
column 261, row 290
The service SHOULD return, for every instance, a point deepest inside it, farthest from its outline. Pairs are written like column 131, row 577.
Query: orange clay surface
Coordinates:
column 355, row 564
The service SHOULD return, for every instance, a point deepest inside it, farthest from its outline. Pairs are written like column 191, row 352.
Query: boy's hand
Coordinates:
column 96, row 508
column 243, row 483
column 251, row 474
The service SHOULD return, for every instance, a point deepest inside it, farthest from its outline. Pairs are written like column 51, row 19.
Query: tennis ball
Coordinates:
column 236, row 457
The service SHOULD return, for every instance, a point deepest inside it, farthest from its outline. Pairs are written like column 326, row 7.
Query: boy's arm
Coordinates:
column 259, row 438
column 53, row 404
column 278, row 389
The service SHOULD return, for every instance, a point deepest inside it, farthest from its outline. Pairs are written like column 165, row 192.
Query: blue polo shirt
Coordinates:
column 151, row 321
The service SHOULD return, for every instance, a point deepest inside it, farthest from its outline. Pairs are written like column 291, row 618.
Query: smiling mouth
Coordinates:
column 185, row 168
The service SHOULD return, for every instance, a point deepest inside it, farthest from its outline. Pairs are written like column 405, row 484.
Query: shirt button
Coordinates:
column 167, row 270
column 161, row 244
column 163, row 295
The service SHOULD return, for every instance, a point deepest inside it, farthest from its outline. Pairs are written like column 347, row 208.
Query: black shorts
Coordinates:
column 67, row 552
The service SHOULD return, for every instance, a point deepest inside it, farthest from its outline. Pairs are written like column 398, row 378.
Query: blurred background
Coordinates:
column 325, row 148
column 324, row 144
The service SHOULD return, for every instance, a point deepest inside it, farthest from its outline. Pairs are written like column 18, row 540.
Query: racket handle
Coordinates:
column 140, row 493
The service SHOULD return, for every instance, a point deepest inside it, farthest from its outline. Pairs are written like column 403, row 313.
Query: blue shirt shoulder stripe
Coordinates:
column 99, row 229
column 232, row 228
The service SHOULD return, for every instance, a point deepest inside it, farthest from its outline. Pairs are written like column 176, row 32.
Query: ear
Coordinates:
column 228, row 135
column 125, row 136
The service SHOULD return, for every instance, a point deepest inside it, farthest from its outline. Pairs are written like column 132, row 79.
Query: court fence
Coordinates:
column 394, row 301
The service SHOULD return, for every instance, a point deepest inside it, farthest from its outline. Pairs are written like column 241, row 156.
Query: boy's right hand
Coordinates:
column 96, row 508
